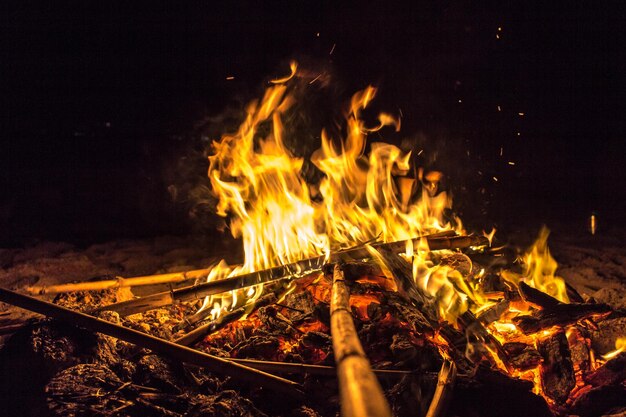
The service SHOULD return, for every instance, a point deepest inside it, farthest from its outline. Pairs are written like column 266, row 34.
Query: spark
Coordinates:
column 230, row 77
column 315, row 79
column 592, row 224
column 332, row 49
column 495, row 179
column 499, row 109
column 511, row 163
column 501, row 151
column 420, row 152
column 521, row 114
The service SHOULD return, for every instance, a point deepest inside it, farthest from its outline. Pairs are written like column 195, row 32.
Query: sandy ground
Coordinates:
column 594, row 265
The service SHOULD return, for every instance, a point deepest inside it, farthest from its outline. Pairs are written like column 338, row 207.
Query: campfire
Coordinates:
column 359, row 291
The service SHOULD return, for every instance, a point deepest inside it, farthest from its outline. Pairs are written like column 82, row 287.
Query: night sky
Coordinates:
column 101, row 100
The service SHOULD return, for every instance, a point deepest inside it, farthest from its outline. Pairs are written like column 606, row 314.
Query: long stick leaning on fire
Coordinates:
column 182, row 353
column 156, row 279
column 284, row 272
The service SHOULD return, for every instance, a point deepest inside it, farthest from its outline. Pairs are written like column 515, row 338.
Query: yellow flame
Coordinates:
column 541, row 268
column 259, row 185
column 362, row 198
column 620, row 346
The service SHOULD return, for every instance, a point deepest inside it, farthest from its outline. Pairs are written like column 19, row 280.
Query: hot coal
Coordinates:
column 557, row 371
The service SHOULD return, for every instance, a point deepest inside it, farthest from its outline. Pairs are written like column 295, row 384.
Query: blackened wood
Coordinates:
column 557, row 371
column 579, row 347
column 428, row 316
column 559, row 315
column 599, row 401
column 182, row 353
column 289, row 271
column 574, row 296
column 522, row 356
column 492, row 393
column 360, row 392
column 322, row 370
column 535, row 297
column 612, row 372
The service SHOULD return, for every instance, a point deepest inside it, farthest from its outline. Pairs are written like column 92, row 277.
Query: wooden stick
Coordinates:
column 182, row 353
column 302, row 368
column 559, row 315
column 119, row 282
column 535, row 297
column 445, row 382
column 173, row 277
column 213, row 326
column 360, row 392
column 286, row 272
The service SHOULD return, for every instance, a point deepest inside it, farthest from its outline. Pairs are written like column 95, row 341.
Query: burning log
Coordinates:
column 612, row 372
column 213, row 326
column 557, row 370
column 182, row 353
column 522, row 356
column 441, row 398
column 361, row 394
column 559, row 315
column 283, row 272
column 119, row 282
column 535, row 297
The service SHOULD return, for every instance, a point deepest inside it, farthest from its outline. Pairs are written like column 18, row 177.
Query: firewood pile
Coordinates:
column 357, row 336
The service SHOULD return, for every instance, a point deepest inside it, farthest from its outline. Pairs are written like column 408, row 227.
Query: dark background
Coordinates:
column 101, row 100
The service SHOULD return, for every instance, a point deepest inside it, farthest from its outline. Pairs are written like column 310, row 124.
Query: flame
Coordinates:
column 541, row 268
column 260, row 187
column 620, row 346
column 362, row 197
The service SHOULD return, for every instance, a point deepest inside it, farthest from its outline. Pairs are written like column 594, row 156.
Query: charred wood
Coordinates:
column 181, row 353
column 557, row 371
column 283, row 272
column 213, row 326
column 612, row 372
column 490, row 393
column 536, row 298
column 599, row 400
column 559, row 315
column 522, row 356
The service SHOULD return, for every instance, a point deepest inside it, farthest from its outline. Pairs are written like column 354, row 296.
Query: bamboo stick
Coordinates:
column 445, row 382
column 288, row 271
column 360, row 392
column 182, row 353
column 119, row 282
column 303, row 368
column 173, row 277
